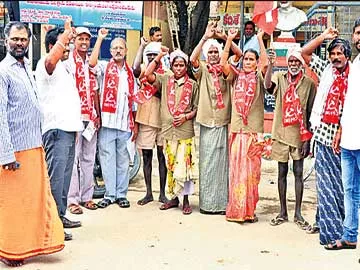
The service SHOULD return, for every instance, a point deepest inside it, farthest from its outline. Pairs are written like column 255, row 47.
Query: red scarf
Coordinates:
column 244, row 92
column 215, row 71
column 336, row 96
column 111, row 86
column 86, row 91
column 147, row 90
column 291, row 110
column 185, row 97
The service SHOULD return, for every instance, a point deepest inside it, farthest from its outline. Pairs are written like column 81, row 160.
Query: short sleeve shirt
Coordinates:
column 186, row 130
column 306, row 90
column 208, row 114
column 256, row 113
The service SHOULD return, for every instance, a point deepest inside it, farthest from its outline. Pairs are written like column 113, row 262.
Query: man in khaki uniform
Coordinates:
column 294, row 93
column 148, row 119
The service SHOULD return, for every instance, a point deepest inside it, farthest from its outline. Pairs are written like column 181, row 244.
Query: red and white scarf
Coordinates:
column 244, row 93
column 185, row 97
column 291, row 109
column 111, row 86
column 336, row 96
column 86, row 90
column 216, row 71
column 147, row 90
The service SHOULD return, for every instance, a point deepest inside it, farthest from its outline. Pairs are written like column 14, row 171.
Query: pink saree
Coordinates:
column 244, row 176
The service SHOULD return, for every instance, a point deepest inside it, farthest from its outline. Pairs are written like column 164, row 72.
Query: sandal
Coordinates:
column 313, row 229
column 302, row 224
column 253, row 220
column 104, row 203
column 169, row 204
column 277, row 221
column 75, row 209
column 123, row 202
column 12, row 263
column 89, row 205
column 187, row 210
column 339, row 244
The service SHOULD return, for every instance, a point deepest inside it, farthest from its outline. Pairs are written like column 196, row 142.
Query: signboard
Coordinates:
column 232, row 20
column 109, row 14
column 317, row 23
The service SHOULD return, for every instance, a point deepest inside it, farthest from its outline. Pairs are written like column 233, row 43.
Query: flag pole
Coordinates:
column 242, row 26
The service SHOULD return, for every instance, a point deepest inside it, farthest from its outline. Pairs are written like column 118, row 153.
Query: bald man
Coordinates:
column 117, row 114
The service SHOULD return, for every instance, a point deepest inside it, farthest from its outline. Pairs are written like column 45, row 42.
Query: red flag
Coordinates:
column 266, row 15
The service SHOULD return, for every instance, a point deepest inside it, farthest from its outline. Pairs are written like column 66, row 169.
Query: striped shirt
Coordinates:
column 19, row 109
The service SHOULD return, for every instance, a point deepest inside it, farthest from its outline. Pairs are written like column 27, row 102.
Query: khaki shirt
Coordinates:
column 148, row 113
column 256, row 113
column 306, row 90
column 186, row 130
column 208, row 114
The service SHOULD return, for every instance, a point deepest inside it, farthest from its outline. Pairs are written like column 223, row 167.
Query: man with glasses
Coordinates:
column 117, row 114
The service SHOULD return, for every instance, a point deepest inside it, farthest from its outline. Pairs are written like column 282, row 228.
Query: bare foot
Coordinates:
column 163, row 199
column 12, row 263
column 145, row 200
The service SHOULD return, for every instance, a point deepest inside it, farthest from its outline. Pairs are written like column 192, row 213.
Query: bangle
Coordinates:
column 156, row 62
column 204, row 39
column 61, row 44
column 186, row 117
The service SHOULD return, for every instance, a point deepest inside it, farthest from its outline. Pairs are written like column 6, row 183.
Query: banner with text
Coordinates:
column 110, row 14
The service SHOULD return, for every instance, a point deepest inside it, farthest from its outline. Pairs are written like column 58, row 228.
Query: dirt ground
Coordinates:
column 143, row 237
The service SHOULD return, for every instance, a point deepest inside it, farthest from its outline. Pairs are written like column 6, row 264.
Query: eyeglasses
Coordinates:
column 117, row 48
column 16, row 39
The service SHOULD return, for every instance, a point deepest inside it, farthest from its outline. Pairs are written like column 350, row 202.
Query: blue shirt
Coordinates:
column 20, row 116
column 252, row 43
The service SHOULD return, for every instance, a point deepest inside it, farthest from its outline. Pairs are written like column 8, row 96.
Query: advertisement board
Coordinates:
column 110, row 14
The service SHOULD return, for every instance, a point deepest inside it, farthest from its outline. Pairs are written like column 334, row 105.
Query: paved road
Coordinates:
column 143, row 237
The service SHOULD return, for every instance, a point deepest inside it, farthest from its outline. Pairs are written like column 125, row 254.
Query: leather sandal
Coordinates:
column 89, row 205
column 104, row 203
column 75, row 209
column 123, row 202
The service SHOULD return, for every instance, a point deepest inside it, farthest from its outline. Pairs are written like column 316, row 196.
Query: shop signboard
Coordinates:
column 110, row 14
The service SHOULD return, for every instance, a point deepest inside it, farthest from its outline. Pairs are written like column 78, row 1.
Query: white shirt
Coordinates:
column 58, row 97
column 357, row 60
column 120, row 119
column 71, row 66
column 350, row 118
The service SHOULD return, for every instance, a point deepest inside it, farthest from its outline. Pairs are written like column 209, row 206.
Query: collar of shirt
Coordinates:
column 123, row 68
column 301, row 79
column 180, row 81
column 10, row 60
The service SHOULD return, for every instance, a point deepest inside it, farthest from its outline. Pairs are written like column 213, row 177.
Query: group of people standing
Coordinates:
column 77, row 104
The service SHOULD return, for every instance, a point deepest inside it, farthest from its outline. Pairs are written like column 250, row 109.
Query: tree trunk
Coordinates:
column 181, row 8
column 199, row 21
